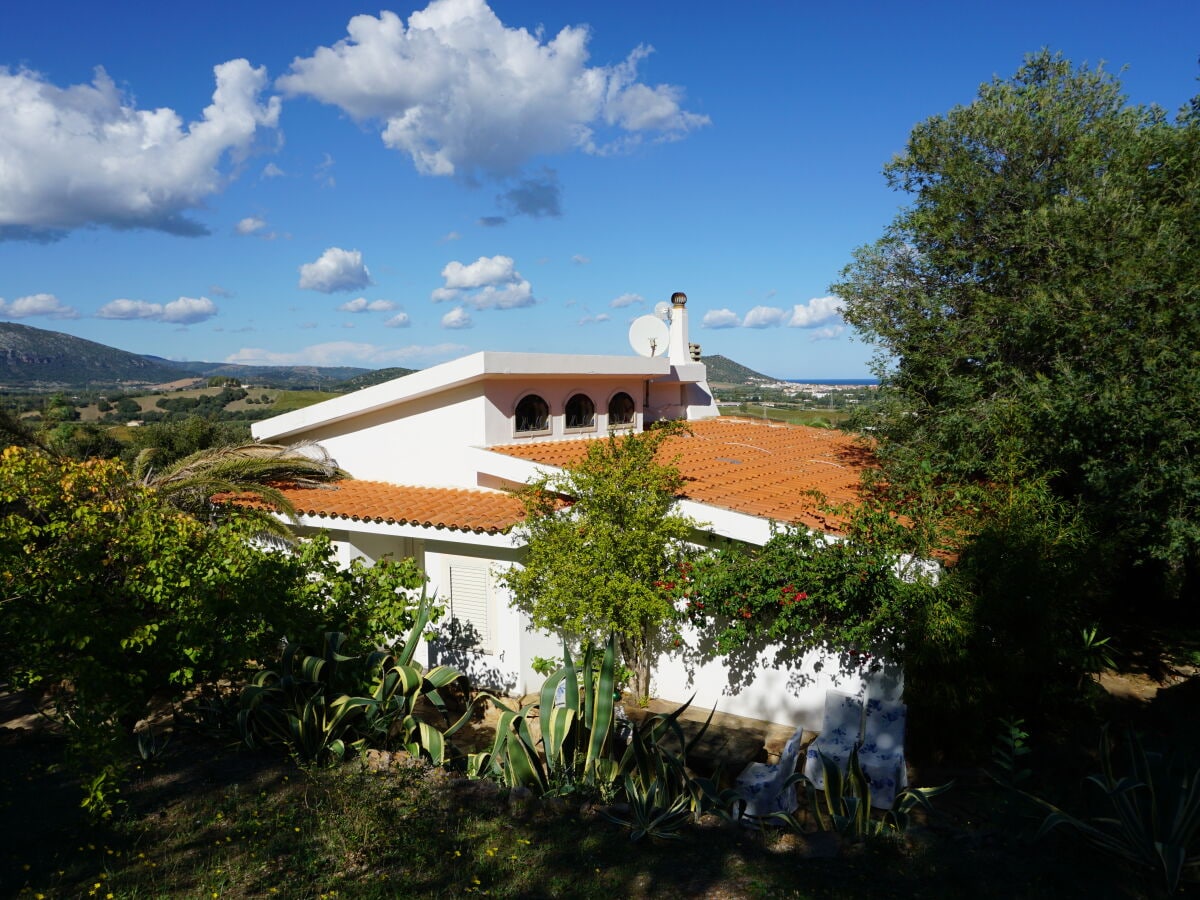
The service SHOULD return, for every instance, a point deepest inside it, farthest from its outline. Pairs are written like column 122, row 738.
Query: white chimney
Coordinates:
column 679, row 354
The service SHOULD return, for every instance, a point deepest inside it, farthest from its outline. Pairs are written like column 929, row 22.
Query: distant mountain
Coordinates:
column 327, row 378
column 34, row 358
column 722, row 370
column 378, row 376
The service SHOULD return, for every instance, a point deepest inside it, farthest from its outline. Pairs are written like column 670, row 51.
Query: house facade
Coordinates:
column 434, row 454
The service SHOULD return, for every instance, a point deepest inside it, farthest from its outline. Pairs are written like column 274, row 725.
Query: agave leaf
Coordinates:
column 556, row 728
column 602, row 706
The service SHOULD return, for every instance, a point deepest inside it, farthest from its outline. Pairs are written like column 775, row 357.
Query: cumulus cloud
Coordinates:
column 816, row 312
column 339, row 353
column 37, row 305
column 627, row 300
column 592, row 320
column 184, row 311
column 336, row 270
column 488, row 283
column 457, row 318
column 250, row 224
column 361, row 305
column 270, row 170
column 720, row 318
column 459, row 92
column 399, row 320
column 765, row 317
column 86, row 155
column 537, row 196
column 828, row 333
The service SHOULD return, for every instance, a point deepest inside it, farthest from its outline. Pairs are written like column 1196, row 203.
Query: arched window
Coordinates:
column 581, row 412
column 620, row 410
column 533, row 414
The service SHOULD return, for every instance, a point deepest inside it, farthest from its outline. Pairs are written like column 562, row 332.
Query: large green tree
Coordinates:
column 603, row 563
column 1037, row 313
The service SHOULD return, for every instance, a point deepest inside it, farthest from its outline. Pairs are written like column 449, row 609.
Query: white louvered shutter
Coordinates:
column 469, row 602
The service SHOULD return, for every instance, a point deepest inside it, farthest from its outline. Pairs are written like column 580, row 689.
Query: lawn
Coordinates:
column 207, row 820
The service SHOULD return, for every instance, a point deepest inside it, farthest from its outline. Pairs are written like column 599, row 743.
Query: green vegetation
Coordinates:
column 602, row 567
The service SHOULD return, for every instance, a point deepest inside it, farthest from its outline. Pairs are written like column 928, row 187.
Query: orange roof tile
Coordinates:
column 763, row 469
column 488, row 512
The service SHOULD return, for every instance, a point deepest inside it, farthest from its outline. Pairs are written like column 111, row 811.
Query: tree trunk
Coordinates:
column 637, row 658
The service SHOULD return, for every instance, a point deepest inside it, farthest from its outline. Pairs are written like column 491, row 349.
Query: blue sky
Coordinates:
column 284, row 183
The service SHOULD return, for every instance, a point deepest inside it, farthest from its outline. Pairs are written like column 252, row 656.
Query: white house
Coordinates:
column 432, row 454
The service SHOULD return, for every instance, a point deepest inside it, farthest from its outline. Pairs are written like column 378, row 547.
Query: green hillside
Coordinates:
column 33, row 358
column 722, row 370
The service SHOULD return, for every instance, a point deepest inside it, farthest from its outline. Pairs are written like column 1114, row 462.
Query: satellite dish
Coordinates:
column 662, row 309
column 649, row 336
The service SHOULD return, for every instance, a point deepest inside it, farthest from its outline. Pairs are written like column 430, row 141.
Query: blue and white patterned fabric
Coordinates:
column 761, row 784
column 882, row 753
column 841, row 731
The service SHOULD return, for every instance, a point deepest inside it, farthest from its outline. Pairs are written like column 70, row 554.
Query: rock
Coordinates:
column 377, row 760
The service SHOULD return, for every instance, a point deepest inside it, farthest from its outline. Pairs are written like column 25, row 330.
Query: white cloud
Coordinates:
column 86, row 155
column 457, row 318
column 217, row 291
column 483, row 271
column 187, row 310
column 362, row 305
column 452, row 236
column 592, row 320
column 37, row 305
column 270, row 170
column 720, row 318
column 458, row 91
column 250, row 224
column 336, row 270
column 828, row 333
column 765, row 317
column 580, row 260
column 488, row 283
column 399, row 320
column 815, row 312
column 335, row 353
column 184, row 311
column 627, row 300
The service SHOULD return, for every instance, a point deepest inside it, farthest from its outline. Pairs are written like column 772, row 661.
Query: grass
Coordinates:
column 212, row 822
column 286, row 401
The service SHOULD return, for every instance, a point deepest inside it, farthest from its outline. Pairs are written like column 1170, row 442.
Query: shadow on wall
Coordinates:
column 827, row 667
column 459, row 644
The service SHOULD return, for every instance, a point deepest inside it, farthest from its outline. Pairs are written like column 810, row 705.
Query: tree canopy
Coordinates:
column 1037, row 314
column 602, row 565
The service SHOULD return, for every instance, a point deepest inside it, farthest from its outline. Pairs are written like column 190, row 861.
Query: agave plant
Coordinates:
column 301, row 706
column 580, row 745
column 845, row 804
column 1153, row 814
column 297, row 706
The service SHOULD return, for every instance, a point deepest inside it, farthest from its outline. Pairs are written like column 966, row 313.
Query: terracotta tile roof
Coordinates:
column 759, row 468
column 484, row 512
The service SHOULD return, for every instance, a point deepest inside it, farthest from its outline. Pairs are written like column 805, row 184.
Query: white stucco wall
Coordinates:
column 424, row 441
column 784, row 694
